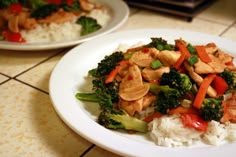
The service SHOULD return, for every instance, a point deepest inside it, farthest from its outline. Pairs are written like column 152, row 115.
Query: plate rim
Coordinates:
column 162, row 151
column 119, row 21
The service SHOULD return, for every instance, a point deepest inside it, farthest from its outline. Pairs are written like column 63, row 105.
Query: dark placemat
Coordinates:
column 183, row 8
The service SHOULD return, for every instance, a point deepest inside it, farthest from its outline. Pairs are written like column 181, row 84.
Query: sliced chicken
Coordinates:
column 131, row 86
column 154, row 74
column 131, row 106
column 198, row 79
column 144, row 57
column 168, row 58
column 133, row 78
column 215, row 66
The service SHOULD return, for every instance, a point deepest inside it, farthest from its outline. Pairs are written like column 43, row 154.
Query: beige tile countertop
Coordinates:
column 29, row 125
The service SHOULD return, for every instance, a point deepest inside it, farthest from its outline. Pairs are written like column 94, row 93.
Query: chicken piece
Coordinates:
column 154, row 74
column 148, row 99
column 13, row 24
column 133, row 78
column 58, row 17
column 87, row 5
column 215, row 66
column 134, row 93
column 131, row 106
column 131, row 86
column 198, row 79
column 144, row 58
column 168, row 58
column 230, row 108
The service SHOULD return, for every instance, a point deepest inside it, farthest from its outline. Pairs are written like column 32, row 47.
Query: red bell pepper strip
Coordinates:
column 202, row 54
column 194, row 121
column 111, row 76
column 185, row 54
column 13, row 37
column 15, row 8
column 183, row 110
column 220, row 85
column 152, row 116
column 203, row 90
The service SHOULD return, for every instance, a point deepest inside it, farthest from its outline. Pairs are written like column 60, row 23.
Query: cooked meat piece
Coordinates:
column 168, row 58
column 154, row 74
column 198, row 79
column 144, row 58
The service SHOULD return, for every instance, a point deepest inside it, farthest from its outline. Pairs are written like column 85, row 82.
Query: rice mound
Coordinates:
column 168, row 131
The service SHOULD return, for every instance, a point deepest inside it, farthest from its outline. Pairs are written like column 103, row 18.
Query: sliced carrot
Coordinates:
column 183, row 110
column 111, row 76
column 202, row 54
column 151, row 117
column 185, row 54
column 220, row 85
column 203, row 90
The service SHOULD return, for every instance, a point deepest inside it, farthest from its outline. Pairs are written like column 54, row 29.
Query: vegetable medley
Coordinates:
column 16, row 15
column 197, row 82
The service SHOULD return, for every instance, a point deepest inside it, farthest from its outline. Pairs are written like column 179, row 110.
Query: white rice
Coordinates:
column 62, row 32
column 169, row 131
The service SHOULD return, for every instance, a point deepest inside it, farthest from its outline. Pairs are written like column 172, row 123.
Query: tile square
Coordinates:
column 13, row 63
column 39, row 76
column 30, row 126
column 3, row 78
column 99, row 152
column 222, row 11
column 148, row 19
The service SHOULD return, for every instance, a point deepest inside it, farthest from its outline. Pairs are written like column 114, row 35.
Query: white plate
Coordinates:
column 68, row 78
column 119, row 11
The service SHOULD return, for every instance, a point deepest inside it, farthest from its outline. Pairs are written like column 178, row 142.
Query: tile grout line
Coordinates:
column 37, row 64
column 5, row 81
column 226, row 29
column 87, row 150
column 45, row 92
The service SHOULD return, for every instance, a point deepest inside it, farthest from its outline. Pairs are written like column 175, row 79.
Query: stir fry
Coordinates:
column 197, row 82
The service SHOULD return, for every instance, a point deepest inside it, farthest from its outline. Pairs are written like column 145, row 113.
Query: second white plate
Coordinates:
column 119, row 11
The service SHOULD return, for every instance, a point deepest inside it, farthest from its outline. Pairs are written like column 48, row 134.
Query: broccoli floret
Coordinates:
column 230, row 78
column 160, row 44
column 176, row 80
column 106, row 95
column 167, row 98
column 44, row 11
column 106, row 65
column 212, row 109
column 119, row 119
column 88, row 24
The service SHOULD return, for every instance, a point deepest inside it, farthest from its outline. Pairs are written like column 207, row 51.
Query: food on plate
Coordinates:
column 178, row 94
column 33, row 21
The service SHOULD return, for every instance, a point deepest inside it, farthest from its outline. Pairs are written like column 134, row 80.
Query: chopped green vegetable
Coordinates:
column 192, row 60
column 88, row 24
column 191, row 49
column 156, row 64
